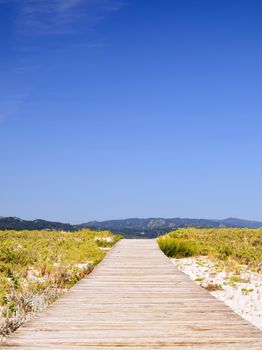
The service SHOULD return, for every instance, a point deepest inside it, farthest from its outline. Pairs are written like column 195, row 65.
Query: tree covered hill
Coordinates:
column 14, row 223
column 130, row 228
column 153, row 227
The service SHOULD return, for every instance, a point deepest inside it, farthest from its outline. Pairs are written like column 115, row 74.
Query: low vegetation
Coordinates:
column 234, row 245
column 38, row 266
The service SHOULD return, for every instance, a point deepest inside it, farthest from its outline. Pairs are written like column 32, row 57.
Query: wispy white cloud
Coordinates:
column 48, row 16
column 10, row 105
column 40, row 18
column 51, row 17
column 15, row 89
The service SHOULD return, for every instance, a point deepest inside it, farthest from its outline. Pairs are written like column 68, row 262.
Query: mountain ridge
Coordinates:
column 15, row 223
column 152, row 227
column 131, row 227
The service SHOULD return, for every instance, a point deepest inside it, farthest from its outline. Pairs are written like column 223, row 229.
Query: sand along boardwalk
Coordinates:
column 136, row 299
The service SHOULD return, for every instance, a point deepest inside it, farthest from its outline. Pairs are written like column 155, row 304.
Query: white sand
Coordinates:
column 245, row 297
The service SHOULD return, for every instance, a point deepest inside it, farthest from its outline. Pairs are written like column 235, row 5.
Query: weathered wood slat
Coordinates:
column 136, row 299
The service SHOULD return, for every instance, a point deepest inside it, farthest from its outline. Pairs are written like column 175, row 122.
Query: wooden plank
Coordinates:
column 136, row 299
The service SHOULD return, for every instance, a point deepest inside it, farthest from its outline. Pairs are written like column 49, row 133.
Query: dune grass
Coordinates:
column 234, row 245
column 37, row 266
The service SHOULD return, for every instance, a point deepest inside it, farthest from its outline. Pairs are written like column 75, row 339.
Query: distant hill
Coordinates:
column 130, row 228
column 13, row 223
column 154, row 227
column 234, row 222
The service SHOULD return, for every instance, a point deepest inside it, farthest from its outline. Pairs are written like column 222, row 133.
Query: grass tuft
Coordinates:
column 37, row 266
column 235, row 246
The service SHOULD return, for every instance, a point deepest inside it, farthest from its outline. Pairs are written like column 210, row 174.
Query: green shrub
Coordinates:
column 45, row 263
column 235, row 246
column 177, row 247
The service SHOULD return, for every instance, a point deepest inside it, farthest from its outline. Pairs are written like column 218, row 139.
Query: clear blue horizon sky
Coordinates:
column 130, row 108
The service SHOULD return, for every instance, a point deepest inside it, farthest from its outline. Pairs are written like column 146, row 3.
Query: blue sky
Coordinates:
column 130, row 108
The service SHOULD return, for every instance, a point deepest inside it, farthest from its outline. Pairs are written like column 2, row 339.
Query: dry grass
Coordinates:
column 38, row 266
column 233, row 245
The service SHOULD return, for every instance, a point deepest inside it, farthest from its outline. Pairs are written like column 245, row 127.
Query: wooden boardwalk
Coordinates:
column 136, row 299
